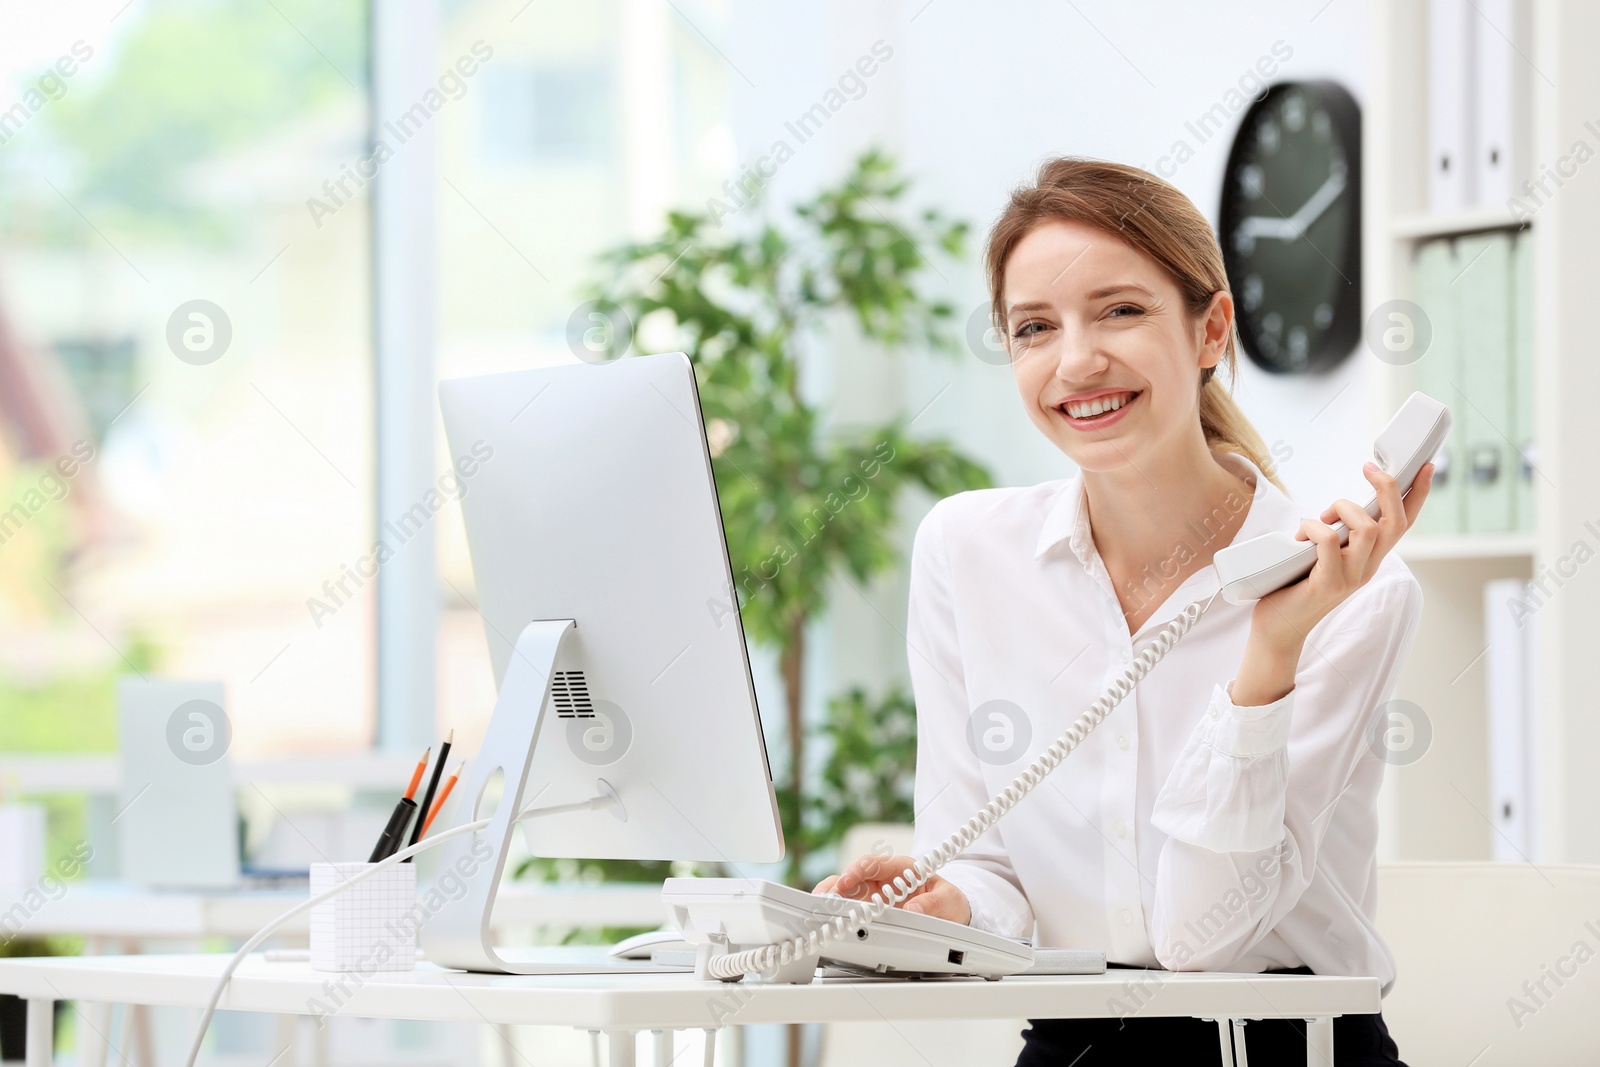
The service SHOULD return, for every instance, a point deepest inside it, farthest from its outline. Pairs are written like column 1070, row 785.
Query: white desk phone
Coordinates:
column 728, row 928
column 742, row 926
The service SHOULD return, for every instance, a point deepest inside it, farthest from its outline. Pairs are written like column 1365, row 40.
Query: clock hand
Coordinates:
column 1267, row 226
column 1294, row 226
column 1312, row 209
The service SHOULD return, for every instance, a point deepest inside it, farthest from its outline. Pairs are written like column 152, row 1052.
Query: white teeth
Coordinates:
column 1098, row 406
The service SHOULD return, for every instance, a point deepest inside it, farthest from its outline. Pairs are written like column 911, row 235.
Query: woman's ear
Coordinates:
column 1216, row 326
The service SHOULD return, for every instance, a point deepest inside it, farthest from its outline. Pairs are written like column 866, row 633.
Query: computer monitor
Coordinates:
column 588, row 496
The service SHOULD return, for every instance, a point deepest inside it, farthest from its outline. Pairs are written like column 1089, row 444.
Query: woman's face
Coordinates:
column 1105, row 354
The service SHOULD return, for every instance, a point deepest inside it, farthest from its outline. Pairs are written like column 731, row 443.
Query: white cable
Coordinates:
column 767, row 957
column 272, row 927
column 592, row 804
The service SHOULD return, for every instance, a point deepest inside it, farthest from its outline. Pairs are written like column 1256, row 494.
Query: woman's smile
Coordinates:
column 1098, row 412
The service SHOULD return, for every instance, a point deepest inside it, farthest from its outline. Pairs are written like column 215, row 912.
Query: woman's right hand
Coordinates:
column 869, row 874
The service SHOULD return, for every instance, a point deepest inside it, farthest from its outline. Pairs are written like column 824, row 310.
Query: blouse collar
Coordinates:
column 1068, row 517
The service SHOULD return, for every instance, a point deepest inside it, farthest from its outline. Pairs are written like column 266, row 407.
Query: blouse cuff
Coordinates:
column 1226, row 791
column 992, row 910
column 1250, row 731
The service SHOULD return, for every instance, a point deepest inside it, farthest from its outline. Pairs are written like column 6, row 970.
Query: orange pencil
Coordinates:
column 416, row 776
column 444, row 795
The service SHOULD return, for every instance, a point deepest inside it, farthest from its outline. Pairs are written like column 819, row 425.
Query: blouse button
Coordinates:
column 1122, row 741
column 1127, row 917
column 1121, row 828
column 1125, row 657
column 1215, row 715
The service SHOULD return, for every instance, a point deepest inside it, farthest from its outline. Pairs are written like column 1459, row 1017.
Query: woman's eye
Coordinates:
column 1029, row 329
column 1130, row 309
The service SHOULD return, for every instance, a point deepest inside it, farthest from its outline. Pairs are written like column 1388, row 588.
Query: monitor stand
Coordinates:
column 455, row 930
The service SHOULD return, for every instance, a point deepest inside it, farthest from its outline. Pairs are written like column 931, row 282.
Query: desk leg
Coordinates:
column 141, row 1039
column 94, row 1033
column 620, row 1048
column 1241, row 1055
column 41, row 1032
column 287, row 1041
column 1319, row 1042
column 663, row 1042
column 144, row 1046
column 1224, row 1042
column 94, row 1019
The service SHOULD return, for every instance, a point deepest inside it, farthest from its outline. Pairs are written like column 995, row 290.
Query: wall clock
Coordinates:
column 1290, row 227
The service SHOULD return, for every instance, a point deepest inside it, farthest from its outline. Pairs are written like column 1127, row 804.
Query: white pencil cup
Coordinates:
column 21, row 846
column 371, row 926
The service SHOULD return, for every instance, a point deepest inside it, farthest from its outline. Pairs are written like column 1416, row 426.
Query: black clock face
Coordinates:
column 1290, row 227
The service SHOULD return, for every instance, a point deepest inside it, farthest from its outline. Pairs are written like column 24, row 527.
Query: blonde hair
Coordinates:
column 1154, row 217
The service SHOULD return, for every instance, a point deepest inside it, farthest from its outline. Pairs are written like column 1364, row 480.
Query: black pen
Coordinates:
column 433, row 786
column 389, row 842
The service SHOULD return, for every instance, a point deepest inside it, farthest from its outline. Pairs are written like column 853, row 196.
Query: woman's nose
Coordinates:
column 1079, row 358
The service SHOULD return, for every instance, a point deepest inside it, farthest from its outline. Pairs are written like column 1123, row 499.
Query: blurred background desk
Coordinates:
column 113, row 917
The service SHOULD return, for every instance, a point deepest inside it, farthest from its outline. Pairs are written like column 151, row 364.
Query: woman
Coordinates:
column 1224, row 816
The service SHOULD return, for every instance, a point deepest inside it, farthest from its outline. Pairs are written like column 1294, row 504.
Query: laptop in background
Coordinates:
column 177, row 821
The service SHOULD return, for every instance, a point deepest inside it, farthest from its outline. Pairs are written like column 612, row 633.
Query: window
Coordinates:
column 536, row 114
column 579, row 132
column 185, row 368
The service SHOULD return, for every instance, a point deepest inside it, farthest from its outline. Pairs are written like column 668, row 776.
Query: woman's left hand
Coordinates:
column 1283, row 619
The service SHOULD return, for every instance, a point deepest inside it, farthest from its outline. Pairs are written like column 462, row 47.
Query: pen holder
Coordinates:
column 21, row 846
column 371, row 926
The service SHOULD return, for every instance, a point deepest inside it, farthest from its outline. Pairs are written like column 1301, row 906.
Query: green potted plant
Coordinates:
column 800, row 502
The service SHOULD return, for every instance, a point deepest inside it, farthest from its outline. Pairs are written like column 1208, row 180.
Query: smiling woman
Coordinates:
column 1179, row 840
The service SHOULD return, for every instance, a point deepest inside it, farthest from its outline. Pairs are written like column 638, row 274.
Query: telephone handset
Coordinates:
column 1265, row 564
column 740, row 927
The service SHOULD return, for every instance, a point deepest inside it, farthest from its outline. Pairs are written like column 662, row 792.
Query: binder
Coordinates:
column 1483, row 311
column 1522, row 417
column 1450, row 105
column 1496, row 104
column 1437, row 372
column 1510, row 666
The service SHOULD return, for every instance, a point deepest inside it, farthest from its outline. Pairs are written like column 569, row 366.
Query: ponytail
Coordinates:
column 1227, row 429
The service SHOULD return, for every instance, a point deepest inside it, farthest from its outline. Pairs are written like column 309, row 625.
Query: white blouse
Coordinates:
column 1184, row 832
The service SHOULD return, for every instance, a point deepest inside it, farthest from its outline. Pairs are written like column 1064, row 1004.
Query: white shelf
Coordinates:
column 1424, row 226
column 1432, row 809
column 1467, row 546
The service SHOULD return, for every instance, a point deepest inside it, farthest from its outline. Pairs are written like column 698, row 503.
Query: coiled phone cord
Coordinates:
column 735, row 965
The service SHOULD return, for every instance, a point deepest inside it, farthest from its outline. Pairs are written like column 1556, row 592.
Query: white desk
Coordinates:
column 113, row 916
column 114, row 911
column 623, row 1005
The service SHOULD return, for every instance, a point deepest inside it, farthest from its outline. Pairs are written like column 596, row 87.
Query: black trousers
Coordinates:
column 1358, row 1041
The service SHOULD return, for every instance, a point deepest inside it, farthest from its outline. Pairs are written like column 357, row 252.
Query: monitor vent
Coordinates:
column 570, row 694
